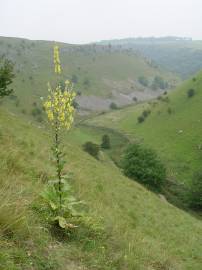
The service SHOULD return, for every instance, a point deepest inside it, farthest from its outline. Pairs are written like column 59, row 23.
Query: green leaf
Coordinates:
column 61, row 221
column 53, row 205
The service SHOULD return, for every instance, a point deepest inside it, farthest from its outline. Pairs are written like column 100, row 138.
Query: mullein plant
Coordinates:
column 60, row 113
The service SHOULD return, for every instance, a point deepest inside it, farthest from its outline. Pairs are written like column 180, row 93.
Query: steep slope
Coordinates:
column 180, row 55
column 101, row 74
column 134, row 228
column 173, row 128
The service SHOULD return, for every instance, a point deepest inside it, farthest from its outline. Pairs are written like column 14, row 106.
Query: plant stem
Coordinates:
column 57, row 154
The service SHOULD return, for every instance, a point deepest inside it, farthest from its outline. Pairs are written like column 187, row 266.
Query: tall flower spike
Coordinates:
column 57, row 60
column 59, row 104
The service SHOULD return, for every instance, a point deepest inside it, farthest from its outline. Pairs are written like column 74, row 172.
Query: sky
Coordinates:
column 83, row 21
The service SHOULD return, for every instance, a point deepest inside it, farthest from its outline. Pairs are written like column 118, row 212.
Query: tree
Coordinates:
column 143, row 165
column 105, row 142
column 6, row 77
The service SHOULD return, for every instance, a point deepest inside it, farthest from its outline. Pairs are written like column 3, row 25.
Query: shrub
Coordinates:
column 23, row 111
column 143, row 165
column 196, row 192
column 190, row 93
column 146, row 113
column 36, row 111
column 105, row 142
column 92, row 149
column 113, row 106
column 143, row 81
column 135, row 99
column 159, row 82
column 169, row 110
column 140, row 119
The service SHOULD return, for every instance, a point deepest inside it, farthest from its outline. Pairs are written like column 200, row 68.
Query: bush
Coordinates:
column 143, row 81
column 146, row 113
column 159, row 82
column 92, row 149
column 190, row 93
column 113, row 106
column 169, row 110
column 23, row 111
column 105, row 142
column 36, row 111
column 196, row 192
column 135, row 99
column 143, row 165
column 140, row 119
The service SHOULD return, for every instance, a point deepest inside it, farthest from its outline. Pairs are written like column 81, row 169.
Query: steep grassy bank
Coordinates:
column 132, row 227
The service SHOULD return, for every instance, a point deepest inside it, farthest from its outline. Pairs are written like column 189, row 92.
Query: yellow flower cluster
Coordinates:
column 57, row 60
column 59, row 106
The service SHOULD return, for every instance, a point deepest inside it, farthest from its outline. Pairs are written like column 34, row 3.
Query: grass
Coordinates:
column 105, row 70
column 129, row 227
column 173, row 129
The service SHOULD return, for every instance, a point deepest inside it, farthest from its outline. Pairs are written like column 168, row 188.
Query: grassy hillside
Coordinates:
column 96, row 70
column 173, row 128
column 180, row 55
column 131, row 228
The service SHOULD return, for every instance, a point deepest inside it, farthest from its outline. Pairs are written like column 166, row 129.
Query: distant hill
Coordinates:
column 101, row 74
column 180, row 55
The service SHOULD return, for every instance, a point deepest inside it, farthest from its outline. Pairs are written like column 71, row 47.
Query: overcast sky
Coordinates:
column 81, row 21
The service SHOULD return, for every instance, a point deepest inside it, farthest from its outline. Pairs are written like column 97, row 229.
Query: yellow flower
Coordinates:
column 58, row 106
column 57, row 60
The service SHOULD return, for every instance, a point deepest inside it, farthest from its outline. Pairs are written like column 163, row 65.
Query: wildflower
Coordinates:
column 58, row 106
